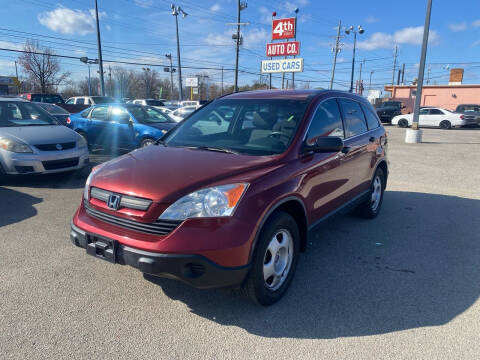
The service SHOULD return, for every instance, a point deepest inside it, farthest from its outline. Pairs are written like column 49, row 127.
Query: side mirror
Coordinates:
column 326, row 144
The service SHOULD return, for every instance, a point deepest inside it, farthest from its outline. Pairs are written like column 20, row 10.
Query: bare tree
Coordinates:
column 41, row 68
column 123, row 81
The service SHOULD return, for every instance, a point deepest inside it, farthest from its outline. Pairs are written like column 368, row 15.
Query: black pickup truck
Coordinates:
column 387, row 110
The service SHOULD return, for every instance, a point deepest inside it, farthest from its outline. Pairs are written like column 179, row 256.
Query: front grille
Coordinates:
column 60, row 164
column 159, row 227
column 126, row 201
column 53, row 147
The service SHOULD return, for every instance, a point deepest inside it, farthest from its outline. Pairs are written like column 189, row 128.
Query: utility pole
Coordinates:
column 335, row 53
column 399, row 74
column 360, row 77
column 110, row 90
column 100, row 61
column 403, row 74
column 169, row 57
column 295, row 38
column 240, row 7
column 428, row 75
column 222, row 82
column 16, row 75
column 89, row 83
column 176, row 10
column 394, row 65
column 370, row 82
column 416, row 136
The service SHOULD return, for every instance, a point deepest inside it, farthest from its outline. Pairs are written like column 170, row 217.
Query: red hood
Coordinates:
column 164, row 174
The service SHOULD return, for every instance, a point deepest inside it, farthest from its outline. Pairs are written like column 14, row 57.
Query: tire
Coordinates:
column 370, row 208
column 445, row 125
column 279, row 245
column 146, row 142
column 403, row 123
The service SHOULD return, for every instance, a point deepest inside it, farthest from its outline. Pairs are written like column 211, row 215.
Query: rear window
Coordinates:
column 354, row 118
column 51, row 99
column 154, row 102
column 102, row 99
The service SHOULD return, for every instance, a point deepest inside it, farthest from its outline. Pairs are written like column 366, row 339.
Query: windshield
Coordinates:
column 154, row 102
column 53, row 109
column 148, row 115
column 391, row 103
column 23, row 114
column 245, row 126
column 469, row 108
column 102, row 99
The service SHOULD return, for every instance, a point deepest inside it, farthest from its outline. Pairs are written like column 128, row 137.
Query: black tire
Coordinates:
column 403, row 123
column 369, row 209
column 146, row 142
column 445, row 125
column 255, row 286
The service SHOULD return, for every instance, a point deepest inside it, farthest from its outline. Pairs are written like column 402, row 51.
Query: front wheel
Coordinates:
column 402, row 123
column 370, row 208
column 146, row 142
column 274, row 260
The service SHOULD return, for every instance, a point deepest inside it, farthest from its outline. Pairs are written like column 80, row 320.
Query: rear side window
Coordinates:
column 80, row 101
column 327, row 121
column 100, row 113
column 436, row 112
column 353, row 116
column 372, row 120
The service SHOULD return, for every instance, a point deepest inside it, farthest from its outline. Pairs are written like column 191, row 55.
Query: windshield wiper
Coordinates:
column 211, row 148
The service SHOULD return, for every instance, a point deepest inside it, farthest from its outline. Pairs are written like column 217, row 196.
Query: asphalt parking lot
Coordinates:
column 405, row 285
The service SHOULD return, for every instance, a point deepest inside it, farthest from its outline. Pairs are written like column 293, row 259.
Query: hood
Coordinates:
column 163, row 126
column 41, row 134
column 164, row 174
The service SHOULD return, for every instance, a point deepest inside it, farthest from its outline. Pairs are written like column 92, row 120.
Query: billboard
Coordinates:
column 283, row 28
column 191, row 82
column 282, row 65
column 290, row 48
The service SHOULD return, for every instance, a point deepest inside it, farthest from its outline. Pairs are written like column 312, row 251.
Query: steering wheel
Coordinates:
column 277, row 134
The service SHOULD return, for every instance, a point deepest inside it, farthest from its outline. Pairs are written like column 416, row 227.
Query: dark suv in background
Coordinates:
column 387, row 110
column 227, row 197
column 471, row 112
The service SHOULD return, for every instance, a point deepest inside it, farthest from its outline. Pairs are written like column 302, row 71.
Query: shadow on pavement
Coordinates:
column 415, row 265
column 16, row 206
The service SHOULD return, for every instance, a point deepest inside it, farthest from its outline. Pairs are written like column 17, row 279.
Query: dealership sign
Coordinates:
column 290, row 48
column 282, row 65
column 191, row 82
column 283, row 29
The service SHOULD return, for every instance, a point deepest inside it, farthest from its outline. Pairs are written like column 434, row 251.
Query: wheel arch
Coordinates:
column 384, row 166
column 293, row 206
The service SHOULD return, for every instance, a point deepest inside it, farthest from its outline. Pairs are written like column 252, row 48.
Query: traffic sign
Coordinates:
column 283, row 28
column 191, row 81
column 282, row 65
column 290, row 48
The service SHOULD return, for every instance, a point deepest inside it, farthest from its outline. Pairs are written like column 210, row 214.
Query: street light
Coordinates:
column 348, row 31
column 88, row 61
column 176, row 10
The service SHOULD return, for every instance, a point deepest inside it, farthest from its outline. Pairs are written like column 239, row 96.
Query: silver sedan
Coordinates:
column 32, row 141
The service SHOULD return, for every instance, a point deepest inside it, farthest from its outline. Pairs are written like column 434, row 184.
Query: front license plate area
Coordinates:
column 102, row 248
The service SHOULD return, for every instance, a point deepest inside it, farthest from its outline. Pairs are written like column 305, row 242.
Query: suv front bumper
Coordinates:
column 192, row 269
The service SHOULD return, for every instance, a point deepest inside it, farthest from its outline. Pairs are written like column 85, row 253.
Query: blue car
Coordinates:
column 120, row 126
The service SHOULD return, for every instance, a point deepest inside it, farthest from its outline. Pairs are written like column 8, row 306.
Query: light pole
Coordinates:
column 370, row 82
column 238, row 39
column 147, row 81
column 353, row 30
column 99, row 45
column 295, row 38
column 176, row 10
column 414, row 135
column 88, row 61
column 169, row 57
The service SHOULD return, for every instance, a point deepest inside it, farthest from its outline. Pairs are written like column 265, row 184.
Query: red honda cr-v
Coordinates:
column 229, row 195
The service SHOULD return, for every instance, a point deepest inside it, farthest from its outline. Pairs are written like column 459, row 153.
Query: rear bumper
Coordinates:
column 192, row 269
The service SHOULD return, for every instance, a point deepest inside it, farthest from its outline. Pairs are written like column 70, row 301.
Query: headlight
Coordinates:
column 217, row 201
column 14, row 146
column 86, row 190
column 81, row 143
